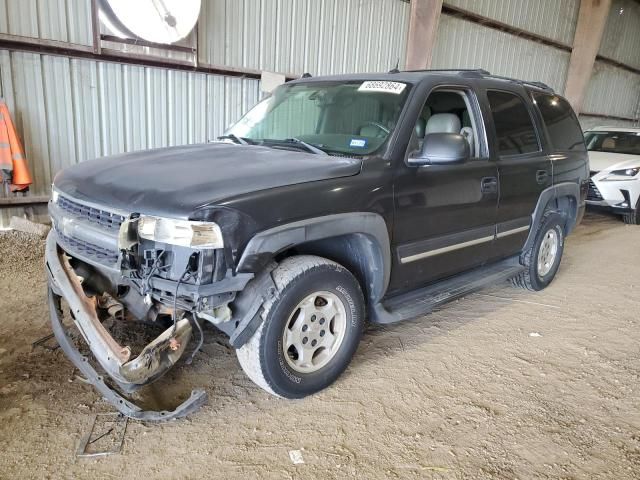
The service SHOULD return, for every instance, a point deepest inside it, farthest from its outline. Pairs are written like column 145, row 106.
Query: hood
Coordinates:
column 175, row 181
column 599, row 161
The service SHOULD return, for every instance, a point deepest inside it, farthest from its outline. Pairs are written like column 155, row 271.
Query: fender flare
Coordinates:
column 565, row 189
column 370, row 228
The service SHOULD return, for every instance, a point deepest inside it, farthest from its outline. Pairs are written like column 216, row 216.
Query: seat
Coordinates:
column 609, row 143
column 443, row 123
column 421, row 124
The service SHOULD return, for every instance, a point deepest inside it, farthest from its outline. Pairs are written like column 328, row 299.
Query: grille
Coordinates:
column 104, row 218
column 101, row 255
column 593, row 193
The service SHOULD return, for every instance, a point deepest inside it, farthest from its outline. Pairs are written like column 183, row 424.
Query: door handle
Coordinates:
column 542, row 176
column 489, row 185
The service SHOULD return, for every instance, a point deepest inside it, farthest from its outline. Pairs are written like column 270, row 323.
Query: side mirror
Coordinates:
column 441, row 149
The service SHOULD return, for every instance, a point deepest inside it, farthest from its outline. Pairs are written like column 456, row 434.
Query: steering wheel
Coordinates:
column 375, row 124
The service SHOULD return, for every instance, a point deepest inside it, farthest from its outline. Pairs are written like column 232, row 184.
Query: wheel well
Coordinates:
column 568, row 208
column 357, row 252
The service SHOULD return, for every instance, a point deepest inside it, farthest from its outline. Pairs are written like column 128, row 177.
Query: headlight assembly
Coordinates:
column 619, row 175
column 184, row 233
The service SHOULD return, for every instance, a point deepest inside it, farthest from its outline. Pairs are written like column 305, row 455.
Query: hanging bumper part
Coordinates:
column 129, row 374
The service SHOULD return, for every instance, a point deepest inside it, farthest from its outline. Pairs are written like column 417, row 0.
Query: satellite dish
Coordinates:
column 158, row 21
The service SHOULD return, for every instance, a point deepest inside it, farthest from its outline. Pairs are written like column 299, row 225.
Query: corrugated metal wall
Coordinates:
column 62, row 20
column 463, row 44
column 70, row 110
column 622, row 87
column 621, row 39
column 620, row 42
column 554, row 19
column 316, row 36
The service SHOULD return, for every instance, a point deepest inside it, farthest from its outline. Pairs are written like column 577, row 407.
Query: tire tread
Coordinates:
column 283, row 275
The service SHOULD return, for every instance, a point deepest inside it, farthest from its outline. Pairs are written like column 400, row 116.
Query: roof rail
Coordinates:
column 540, row 85
column 459, row 70
column 481, row 72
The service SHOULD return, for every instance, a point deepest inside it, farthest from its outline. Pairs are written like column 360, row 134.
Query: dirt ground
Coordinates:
column 501, row 384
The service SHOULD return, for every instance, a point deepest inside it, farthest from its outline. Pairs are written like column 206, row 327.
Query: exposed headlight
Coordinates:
column 624, row 174
column 180, row 232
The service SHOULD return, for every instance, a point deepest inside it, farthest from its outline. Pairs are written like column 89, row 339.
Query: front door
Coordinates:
column 444, row 214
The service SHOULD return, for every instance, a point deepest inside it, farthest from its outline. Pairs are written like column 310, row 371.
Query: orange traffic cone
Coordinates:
column 13, row 165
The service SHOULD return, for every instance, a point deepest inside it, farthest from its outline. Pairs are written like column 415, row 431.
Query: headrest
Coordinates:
column 443, row 123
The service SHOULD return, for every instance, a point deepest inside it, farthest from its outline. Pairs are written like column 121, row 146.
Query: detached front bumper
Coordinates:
column 129, row 374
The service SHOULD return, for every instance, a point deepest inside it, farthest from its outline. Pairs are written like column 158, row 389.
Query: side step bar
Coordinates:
column 417, row 303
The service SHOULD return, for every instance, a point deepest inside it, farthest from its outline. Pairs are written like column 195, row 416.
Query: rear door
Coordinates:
column 524, row 167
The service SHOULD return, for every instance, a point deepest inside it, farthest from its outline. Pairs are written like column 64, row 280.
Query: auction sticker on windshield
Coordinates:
column 382, row 86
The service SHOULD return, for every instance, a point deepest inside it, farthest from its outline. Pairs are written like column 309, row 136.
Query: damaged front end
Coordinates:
column 105, row 264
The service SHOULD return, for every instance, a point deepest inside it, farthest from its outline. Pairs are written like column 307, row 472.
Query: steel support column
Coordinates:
column 423, row 28
column 586, row 43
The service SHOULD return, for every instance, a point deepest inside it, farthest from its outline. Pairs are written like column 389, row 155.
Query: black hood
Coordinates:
column 175, row 181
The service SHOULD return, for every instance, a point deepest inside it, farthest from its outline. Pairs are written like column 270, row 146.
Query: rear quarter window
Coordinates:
column 562, row 124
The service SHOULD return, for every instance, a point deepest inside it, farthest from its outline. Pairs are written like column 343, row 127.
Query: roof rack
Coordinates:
column 482, row 73
column 479, row 71
column 540, row 85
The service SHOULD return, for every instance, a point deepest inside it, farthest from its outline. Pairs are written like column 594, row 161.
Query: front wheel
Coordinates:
column 542, row 259
column 310, row 330
column 633, row 217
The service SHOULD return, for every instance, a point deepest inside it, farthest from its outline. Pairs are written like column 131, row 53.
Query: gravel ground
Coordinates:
column 501, row 384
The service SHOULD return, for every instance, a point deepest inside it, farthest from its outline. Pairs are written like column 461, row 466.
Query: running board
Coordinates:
column 417, row 303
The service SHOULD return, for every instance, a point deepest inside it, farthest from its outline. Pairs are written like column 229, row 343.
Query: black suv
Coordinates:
column 335, row 201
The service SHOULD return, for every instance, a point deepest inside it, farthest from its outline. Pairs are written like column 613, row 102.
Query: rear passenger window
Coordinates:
column 514, row 127
column 562, row 125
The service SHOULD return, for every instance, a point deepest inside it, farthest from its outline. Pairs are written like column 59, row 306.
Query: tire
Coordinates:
column 304, row 284
column 633, row 218
column 535, row 277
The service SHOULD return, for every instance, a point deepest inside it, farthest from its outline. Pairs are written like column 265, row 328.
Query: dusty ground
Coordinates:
column 467, row 392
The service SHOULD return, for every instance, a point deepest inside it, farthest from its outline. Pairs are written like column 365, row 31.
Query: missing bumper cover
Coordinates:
column 156, row 358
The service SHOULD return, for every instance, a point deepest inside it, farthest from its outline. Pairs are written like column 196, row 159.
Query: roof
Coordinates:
column 416, row 76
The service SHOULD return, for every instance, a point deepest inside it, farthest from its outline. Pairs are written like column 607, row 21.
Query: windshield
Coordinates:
column 613, row 142
column 354, row 118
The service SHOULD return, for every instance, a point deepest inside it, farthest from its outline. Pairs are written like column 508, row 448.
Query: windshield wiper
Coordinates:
column 234, row 139
column 308, row 146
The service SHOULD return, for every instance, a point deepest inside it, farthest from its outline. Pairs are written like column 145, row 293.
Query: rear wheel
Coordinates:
column 310, row 330
column 542, row 260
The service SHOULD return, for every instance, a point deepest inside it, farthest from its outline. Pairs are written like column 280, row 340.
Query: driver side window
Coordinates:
column 448, row 111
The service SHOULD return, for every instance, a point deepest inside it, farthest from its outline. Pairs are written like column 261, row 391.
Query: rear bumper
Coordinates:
column 129, row 374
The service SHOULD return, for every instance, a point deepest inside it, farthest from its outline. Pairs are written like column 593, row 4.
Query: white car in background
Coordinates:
column 614, row 159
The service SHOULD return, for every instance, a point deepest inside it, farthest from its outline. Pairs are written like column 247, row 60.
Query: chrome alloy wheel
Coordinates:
column 314, row 332
column 548, row 252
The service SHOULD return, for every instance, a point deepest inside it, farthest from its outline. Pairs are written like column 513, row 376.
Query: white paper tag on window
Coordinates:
column 382, row 86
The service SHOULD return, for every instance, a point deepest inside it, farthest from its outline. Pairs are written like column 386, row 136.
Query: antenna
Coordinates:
column 396, row 69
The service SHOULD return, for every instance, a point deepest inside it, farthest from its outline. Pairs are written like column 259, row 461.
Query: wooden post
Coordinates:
column 586, row 43
column 423, row 28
